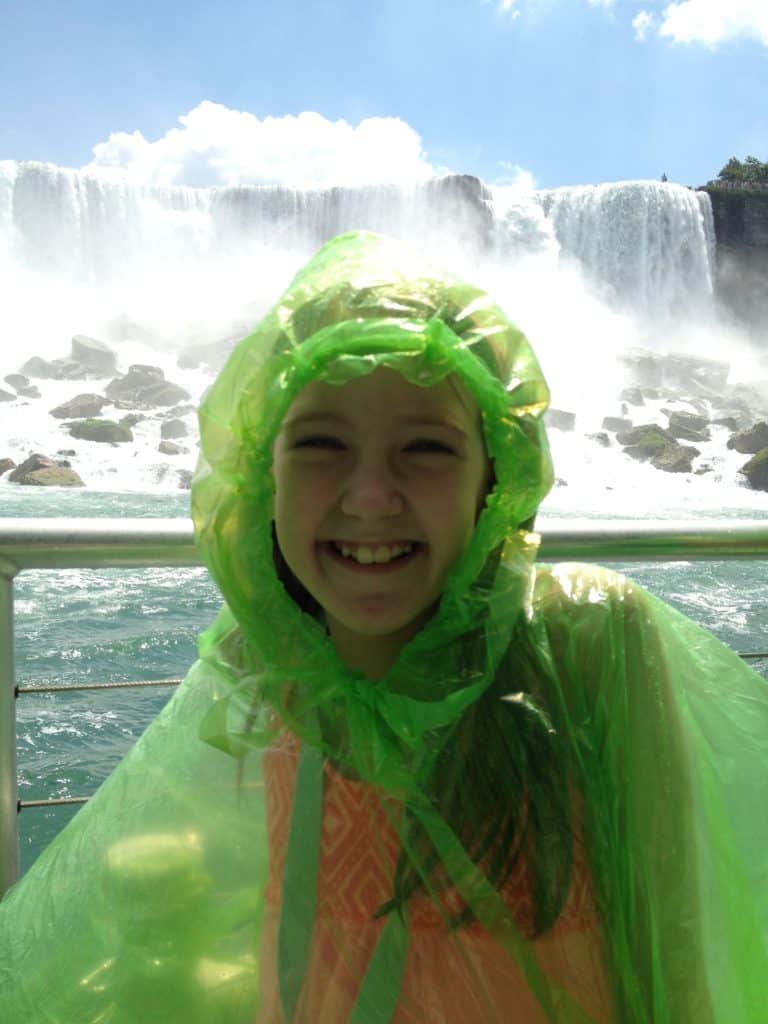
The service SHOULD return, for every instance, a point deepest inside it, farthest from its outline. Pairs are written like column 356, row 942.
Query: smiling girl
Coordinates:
column 414, row 777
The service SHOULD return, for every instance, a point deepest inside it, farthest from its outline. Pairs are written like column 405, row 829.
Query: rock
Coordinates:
column 66, row 451
column 751, row 441
column 165, row 393
column 94, row 356
column 16, row 380
column 40, row 368
column 173, row 428
column 145, row 386
column 185, row 479
column 170, row 448
column 707, row 377
column 689, row 420
column 643, row 368
column 687, row 426
column 558, row 419
column 726, row 421
column 651, row 443
column 88, row 358
column 600, row 438
column 5, row 465
column 33, row 391
column 80, row 406
column 756, row 470
column 645, row 441
column 38, row 470
column 104, row 431
column 634, row 396
column 132, row 419
column 616, row 423
column 675, row 458
column 6, row 396
column 181, row 410
column 692, row 374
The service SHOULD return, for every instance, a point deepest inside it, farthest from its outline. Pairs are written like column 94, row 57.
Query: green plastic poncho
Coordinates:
column 552, row 808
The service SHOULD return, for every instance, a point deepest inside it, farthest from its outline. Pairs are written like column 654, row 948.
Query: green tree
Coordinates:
column 751, row 170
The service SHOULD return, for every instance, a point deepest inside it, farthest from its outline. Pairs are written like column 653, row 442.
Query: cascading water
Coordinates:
column 587, row 272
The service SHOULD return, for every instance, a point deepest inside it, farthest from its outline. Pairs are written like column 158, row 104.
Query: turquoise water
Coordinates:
column 115, row 625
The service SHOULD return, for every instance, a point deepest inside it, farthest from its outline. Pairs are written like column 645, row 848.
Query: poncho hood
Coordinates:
column 362, row 302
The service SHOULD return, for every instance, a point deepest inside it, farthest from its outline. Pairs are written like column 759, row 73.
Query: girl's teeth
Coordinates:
column 380, row 555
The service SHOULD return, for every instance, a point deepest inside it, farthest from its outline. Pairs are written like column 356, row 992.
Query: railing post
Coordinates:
column 9, row 824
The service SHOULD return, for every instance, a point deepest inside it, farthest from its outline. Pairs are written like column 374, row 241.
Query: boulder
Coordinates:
column 88, row 358
column 33, row 391
column 132, row 419
column 81, row 406
column 558, row 419
column 675, row 458
column 645, row 441
column 751, row 441
column 173, row 428
column 165, row 393
column 5, row 465
column 40, row 368
column 616, row 423
column 185, row 479
column 633, row 396
column 643, row 368
column 40, row 471
column 687, row 426
column 171, row 448
column 104, row 431
column 145, row 386
column 6, row 396
column 726, row 421
column 756, row 471
column 600, row 438
column 707, row 377
column 651, row 443
column 93, row 355
column 16, row 380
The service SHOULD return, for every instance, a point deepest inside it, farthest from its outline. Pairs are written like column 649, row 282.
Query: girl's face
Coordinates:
column 378, row 487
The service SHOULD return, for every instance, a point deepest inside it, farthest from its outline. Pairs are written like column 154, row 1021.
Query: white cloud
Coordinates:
column 508, row 7
column 715, row 21
column 219, row 146
column 515, row 177
column 642, row 23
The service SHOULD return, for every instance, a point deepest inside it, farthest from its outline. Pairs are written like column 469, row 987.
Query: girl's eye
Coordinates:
column 320, row 442
column 430, row 446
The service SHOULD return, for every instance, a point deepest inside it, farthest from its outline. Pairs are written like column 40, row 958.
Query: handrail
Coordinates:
column 27, row 544
column 125, row 543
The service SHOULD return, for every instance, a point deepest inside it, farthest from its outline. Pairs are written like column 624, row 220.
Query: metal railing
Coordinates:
column 142, row 543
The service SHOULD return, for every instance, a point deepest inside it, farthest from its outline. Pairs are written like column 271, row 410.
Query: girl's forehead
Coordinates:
column 385, row 392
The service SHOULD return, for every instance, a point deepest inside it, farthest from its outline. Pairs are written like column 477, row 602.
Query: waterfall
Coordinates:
column 644, row 246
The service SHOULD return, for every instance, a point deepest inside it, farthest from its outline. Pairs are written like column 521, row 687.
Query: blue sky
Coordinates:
column 553, row 92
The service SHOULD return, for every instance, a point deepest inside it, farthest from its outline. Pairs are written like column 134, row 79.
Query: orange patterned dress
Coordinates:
column 449, row 977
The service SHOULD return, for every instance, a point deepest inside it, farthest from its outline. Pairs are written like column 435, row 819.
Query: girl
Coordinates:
column 414, row 777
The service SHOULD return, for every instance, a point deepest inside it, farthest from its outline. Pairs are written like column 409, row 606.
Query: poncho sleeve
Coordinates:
column 668, row 730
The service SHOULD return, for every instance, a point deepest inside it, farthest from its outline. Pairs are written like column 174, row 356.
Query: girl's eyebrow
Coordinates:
column 410, row 421
column 307, row 417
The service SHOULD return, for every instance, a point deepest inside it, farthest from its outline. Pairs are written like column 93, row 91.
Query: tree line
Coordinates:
column 750, row 171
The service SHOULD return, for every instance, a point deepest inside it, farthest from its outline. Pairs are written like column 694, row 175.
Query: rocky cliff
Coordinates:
column 741, row 230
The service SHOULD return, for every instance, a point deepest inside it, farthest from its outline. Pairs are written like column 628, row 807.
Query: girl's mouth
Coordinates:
column 373, row 557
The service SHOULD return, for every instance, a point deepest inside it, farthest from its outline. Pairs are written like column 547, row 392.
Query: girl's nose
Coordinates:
column 372, row 492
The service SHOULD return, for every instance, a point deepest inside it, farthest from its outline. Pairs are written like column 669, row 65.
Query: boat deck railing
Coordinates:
column 27, row 544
